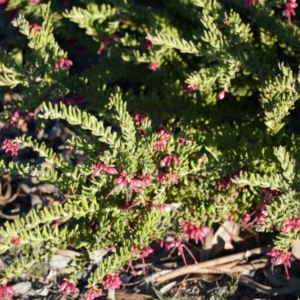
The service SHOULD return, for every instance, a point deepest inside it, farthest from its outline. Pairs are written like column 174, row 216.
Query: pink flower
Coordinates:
column 148, row 45
column 106, row 41
column 127, row 205
column 15, row 241
column 144, row 254
column 10, row 146
column 2, row 2
column 169, row 160
column 99, row 167
column 110, row 170
column 270, row 194
column 93, row 293
column 138, row 118
column 173, row 178
column 164, row 178
column 67, row 288
column 192, row 231
column 30, row 115
column 187, row 88
column 221, row 95
column 146, row 179
column 136, row 184
column 63, row 63
column 35, row 1
column 289, row 10
column 293, row 223
column 161, row 142
column 183, row 140
column 279, row 257
column 202, row 159
column 112, row 281
column 6, row 292
column 141, row 133
column 176, row 243
column 226, row 21
column 15, row 116
column 153, row 66
column 123, row 181
column 72, row 100
column 245, row 218
column 260, row 212
column 225, row 181
column 35, row 27
column 250, row 2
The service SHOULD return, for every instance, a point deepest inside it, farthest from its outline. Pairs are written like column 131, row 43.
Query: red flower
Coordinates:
column 153, row 66
column 279, row 257
column 221, row 95
column 123, row 181
column 261, row 210
column 141, row 133
column 187, row 88
column 202, row 159
column 138, row 118
column 144, row 254
column 293, row 223
column 107, row 40
column 15, row 241
column 183, row 140
column 146, row 179
column 6, row 292
column 126, row 205
column 289, row 10
column 67, row 288
column 169, row 160
column 93, row 293
column 192, row 231
column 270, row 194
column 148, row 45
column 161, row 142
column 245, row 218
column 250, row 2
column 99, row 167
column 136, row 184
column 112, row 281
column 35, row 27
column 30, row 115
column 10, row 146
column 63, row 63
column 72, row 100
column 176, row 243
column 225, row 181
column 164, row 178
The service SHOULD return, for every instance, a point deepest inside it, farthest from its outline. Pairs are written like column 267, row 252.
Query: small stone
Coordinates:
column 58, row 262
column 22, row 287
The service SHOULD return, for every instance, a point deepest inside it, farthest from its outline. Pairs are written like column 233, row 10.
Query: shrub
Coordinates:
column 185, row 111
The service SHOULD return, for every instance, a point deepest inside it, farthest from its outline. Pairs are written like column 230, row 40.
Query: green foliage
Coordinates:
column 230, row 151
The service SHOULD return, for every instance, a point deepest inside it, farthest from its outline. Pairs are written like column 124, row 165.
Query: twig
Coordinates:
column 210, row 266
